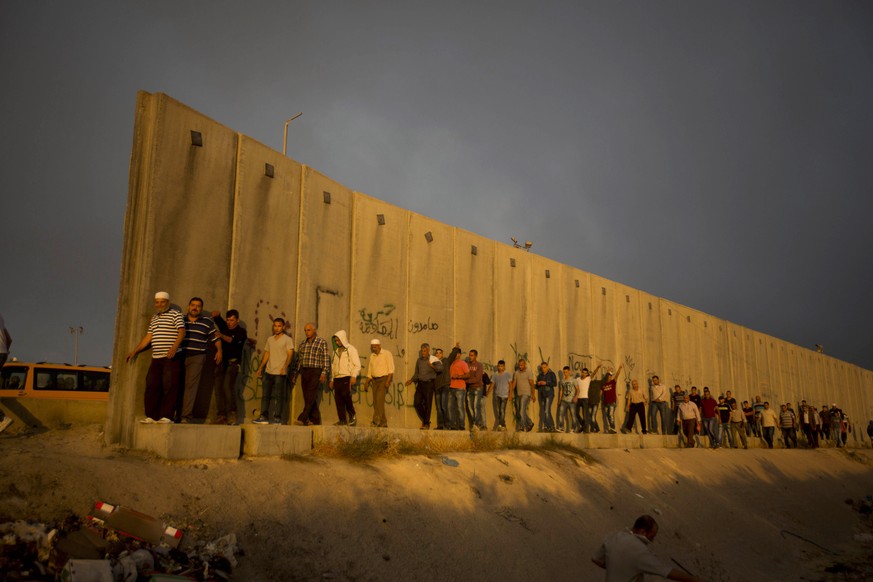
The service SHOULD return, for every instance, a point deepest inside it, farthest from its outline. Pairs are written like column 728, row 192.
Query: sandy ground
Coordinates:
column 507, row 515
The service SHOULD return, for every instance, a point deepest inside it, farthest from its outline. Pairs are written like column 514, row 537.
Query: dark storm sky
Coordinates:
column 717, row 154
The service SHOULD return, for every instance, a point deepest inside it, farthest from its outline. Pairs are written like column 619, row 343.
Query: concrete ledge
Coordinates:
column 188, row 441
column 275, row 440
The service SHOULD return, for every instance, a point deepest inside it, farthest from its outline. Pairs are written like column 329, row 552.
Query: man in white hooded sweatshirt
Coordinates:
column 345, row 367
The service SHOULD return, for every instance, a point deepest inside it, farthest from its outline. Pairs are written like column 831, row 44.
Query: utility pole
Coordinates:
column 285, row 136
column 76, row 332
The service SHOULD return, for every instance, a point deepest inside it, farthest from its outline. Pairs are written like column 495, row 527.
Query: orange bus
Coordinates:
column 40, row 395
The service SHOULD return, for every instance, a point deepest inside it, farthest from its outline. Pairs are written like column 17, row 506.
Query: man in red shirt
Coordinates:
column 609, row 399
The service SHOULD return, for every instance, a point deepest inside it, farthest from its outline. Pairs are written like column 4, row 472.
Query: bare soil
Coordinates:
column 725, row 515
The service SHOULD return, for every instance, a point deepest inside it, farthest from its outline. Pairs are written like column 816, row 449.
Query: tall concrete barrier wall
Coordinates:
column 244, row 227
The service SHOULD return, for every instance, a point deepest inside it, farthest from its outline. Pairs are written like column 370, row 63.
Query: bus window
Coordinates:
column 95, row 381
column 13, row 378
column 67, row 380
column 45, row 380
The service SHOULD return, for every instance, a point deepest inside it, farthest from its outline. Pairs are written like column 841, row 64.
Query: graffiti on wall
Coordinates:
column 379, row 322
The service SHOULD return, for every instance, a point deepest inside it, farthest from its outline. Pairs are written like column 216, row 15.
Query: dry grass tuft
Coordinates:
column 366, row 446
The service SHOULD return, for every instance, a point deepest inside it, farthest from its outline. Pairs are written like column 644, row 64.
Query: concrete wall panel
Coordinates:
column 512, row 306
column 431, row 284
column 379, row 295
column 474, row 288
column 207, row 220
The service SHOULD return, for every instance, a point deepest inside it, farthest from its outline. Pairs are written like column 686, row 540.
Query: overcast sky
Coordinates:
column 717, row 154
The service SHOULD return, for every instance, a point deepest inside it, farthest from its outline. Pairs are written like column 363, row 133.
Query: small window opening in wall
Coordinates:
column 577, row 283
column 269, row 171
column 688, row 319
column 474, row 250
column 603, row 290
column 326, row 196
column 650, row 305
column 511, row 262
column 428, row 236
column 669, row 312
column 627, row 298
column 704, row 324
column 380, row 218
column 196, row 139
column 548, row 274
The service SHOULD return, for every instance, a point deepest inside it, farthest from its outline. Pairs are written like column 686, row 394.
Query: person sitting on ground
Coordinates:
column 626, row 555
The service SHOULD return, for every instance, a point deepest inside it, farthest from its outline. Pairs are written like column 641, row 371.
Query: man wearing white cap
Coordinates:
column 165, row 333
column 380, row 372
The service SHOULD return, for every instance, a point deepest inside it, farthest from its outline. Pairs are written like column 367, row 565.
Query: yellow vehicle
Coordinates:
column 40, row 395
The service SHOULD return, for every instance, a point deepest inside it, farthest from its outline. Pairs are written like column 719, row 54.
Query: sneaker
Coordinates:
column 164, row 420
column 231, row 419
column 277, row 421
column 261, row 420
column 146, row 420
column 559, row 430
column 353, row 421
column 624, row 431
column 219, row 420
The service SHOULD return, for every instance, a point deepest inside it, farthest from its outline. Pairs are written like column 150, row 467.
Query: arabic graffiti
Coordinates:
column 379, row 322
column 423, row 325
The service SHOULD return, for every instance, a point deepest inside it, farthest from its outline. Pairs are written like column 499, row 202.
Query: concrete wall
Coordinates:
column 208, row 221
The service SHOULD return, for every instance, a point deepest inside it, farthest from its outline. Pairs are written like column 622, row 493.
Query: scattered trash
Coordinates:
column 112, row 544
column 450, row 462
column 506, row 478
column 638, row 495
column 656, row 510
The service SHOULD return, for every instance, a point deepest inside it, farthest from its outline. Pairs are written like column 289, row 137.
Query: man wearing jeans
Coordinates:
column 609, row 400
column 502, row 380
column 475, row 392
column 546, row 382
column 769, row 420
column 521, row 389
column 277, row 355
column 459, row 371
column 659, row 405
column 427, row 368
column 233, row 339
column 709, row 413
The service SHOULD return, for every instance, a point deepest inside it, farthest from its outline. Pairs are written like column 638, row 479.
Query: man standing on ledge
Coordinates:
column 380, row 372
column 165, row 332
column 626, row 555
column 278, row 352
column 345, row 367
column 609, row 400
column 314, row 367
column 199, row 331
column 427, row 368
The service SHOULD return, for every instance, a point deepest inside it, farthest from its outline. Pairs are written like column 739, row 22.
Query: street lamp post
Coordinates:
column 285, row 135
column 76, row 332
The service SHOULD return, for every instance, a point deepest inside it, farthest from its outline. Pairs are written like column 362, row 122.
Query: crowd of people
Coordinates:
column 456, row 386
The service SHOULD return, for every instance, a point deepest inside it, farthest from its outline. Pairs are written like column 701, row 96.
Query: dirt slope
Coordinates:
column 727, row 515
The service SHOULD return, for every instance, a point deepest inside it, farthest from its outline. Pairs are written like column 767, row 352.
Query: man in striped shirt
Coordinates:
column 165, row 334
column 199, row 332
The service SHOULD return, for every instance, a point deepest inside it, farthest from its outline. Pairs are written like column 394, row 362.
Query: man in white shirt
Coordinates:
column 626, row 556
column 380, row 372
column 660, row 405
